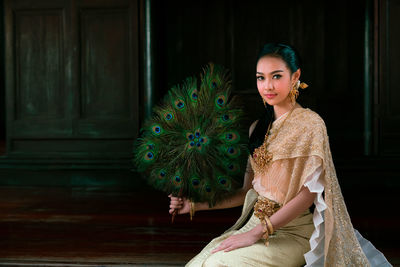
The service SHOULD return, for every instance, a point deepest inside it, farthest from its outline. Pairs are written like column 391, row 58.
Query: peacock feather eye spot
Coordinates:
column 222, row 181
column 179, row 104
column 157, row 130
column 197, row 134
column 229, row 136
column 231, row 150
column 201, row 140
column 150, row 155
column 162, row 174
column 225, row 117
column 198, row 144
column 220, row 101
column 191, row 137
column 195, row 182
column 194, row 96
column 231, row 167
column 177, row 178
column 192, row 143
column 214, row 85
column 168, row 116
column 150, row 146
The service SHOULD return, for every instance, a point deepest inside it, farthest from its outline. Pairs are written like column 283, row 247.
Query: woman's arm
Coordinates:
column 284, row 215
column 290, row 211
column 235, row 200
column 183, row 205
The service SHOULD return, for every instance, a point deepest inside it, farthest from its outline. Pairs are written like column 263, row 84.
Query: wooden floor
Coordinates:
column 93, row 227
column 90, row 226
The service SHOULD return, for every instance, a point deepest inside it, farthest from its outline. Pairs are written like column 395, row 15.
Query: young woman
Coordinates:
column 289, row 169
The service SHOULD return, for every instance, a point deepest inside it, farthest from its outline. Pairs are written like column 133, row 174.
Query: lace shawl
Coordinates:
column 301, row 148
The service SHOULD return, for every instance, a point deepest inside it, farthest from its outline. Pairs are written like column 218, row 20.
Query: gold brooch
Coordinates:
column 261, row 155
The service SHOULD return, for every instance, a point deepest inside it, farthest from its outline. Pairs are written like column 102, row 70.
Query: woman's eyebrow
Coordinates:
column 275, row 71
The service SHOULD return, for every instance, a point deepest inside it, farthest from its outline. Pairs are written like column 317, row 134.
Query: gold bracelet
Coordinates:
column 265, row 235
column 192, row 210
column 269, row 225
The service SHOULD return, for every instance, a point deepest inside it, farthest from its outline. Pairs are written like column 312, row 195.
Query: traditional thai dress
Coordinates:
column 300, row 157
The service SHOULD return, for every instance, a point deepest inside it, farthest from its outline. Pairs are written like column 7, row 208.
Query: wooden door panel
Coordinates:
column 35, row 67
column 72, row 77
column 108, row 94
column 105, row 89
column 39, row 64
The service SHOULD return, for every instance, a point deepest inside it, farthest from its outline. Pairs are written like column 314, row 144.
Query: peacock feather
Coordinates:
column 195, row 145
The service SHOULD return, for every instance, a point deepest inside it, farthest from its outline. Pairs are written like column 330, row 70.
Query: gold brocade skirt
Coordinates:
column 286, row 247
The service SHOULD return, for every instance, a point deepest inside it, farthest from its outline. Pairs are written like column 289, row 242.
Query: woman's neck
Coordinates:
column 281, row 109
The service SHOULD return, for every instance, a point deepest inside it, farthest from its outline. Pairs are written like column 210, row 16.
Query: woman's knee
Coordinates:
column 217, row 259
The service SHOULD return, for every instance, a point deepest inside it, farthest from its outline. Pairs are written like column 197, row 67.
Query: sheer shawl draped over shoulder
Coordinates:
column 302, row 157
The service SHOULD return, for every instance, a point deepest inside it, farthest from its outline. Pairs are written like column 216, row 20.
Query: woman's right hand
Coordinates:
column 180, row 204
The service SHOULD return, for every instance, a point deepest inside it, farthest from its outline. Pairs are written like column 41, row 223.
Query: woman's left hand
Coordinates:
column 240, row 240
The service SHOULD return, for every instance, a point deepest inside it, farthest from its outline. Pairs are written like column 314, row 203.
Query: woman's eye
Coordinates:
column 259, row 78
column 276, row 76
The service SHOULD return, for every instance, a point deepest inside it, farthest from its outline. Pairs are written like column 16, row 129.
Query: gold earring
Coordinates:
column 294, row 93
column 265, row 103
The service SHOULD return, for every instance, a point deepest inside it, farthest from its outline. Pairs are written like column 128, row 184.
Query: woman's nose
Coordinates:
column 267, row 85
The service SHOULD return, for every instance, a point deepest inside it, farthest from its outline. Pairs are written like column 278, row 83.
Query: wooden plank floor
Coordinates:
column 85, row 225
column 42, row 226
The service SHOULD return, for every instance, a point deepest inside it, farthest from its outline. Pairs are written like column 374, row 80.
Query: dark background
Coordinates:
column 73, row 86
column 73, row 72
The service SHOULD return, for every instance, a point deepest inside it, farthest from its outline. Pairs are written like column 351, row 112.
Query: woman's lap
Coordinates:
column 286, row 248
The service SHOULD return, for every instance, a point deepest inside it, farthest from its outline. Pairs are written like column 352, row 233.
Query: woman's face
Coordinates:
column 274, row 80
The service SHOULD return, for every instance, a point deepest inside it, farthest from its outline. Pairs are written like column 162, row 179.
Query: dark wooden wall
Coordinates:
column 73, row 70
column 387, row 90
column 2, row 81
column 329, row 36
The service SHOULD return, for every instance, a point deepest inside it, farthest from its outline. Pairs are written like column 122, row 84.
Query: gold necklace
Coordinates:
column 261, row 155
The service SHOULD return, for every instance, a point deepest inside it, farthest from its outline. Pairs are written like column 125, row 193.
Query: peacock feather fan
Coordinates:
column 195, row 145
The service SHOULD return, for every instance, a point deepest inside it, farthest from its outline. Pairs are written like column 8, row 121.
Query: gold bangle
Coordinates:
column 265, row 235
column 192, row 210
column 269, row 225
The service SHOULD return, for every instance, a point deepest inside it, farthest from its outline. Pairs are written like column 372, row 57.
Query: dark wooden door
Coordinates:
column 71, row 77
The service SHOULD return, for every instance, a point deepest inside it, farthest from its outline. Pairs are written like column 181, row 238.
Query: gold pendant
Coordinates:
column 261, row 156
